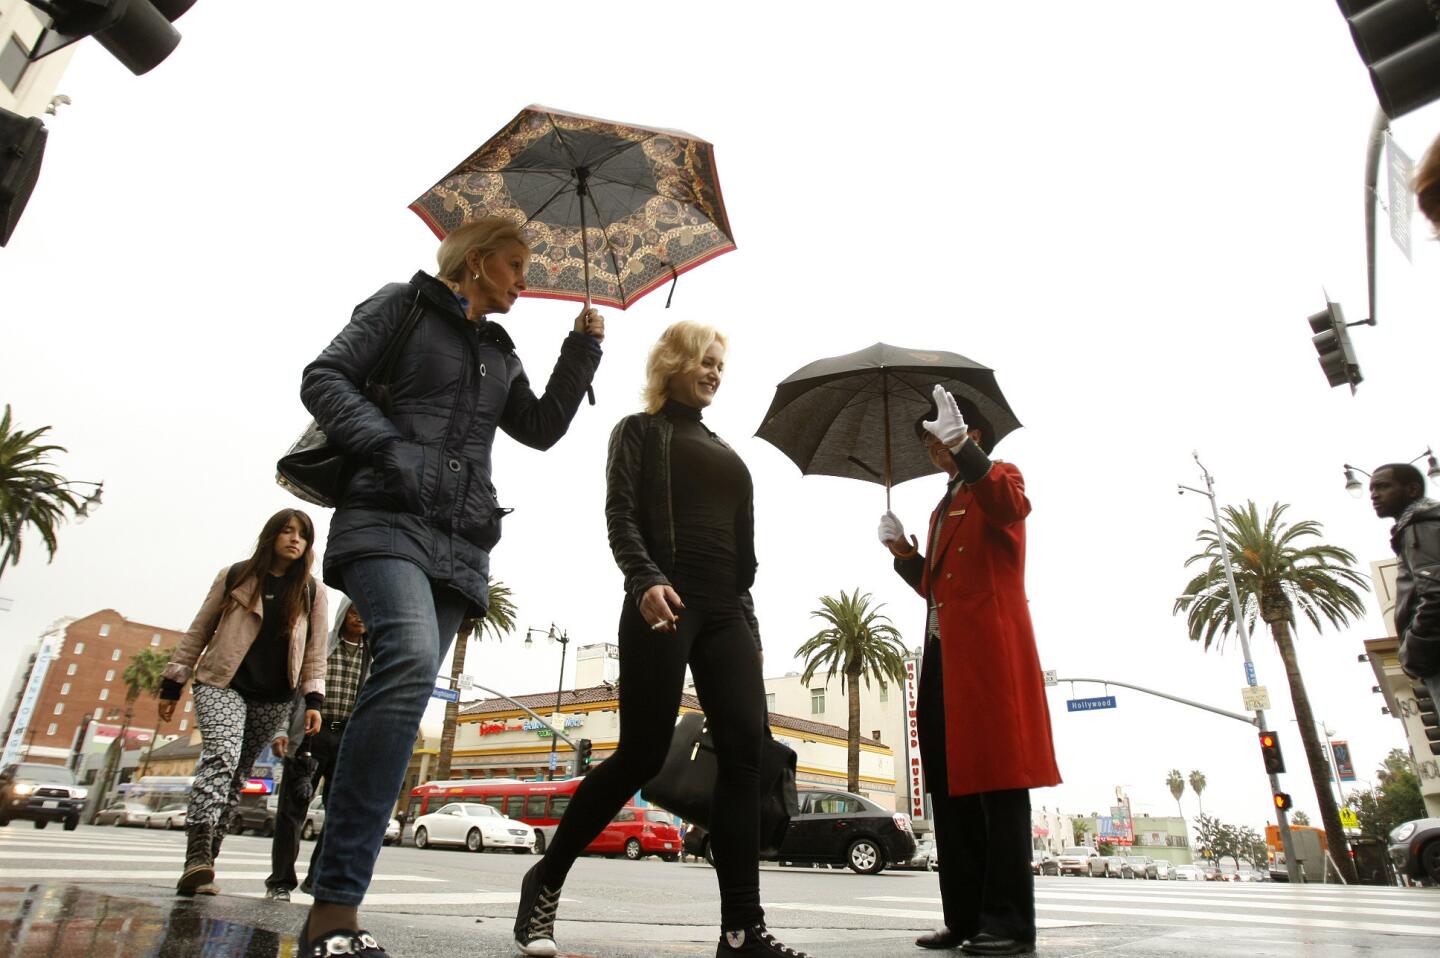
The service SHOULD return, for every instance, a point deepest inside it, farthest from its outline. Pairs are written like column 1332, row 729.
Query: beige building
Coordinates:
column 1399, row 689
column 26, row 88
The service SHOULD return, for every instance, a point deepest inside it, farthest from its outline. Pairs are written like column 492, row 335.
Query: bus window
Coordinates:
column 558, row 804
column 535, row 806
column 417, row 808
column 496, row 802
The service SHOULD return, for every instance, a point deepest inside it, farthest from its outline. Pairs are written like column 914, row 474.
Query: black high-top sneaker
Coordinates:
column 535, row 919
column 754, row 942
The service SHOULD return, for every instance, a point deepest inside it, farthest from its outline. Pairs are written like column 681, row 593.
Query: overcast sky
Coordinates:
column 1128, row 209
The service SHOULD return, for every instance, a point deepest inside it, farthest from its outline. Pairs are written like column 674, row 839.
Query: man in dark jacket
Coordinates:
column 1397, row 491
column 347, row 666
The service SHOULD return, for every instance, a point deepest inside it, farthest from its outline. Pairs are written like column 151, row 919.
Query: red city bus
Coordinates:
column 634, row 832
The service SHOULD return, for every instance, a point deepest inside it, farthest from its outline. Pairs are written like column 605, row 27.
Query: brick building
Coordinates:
column 73, row 680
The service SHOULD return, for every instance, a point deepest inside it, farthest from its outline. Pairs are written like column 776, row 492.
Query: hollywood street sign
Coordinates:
column 1090, row 704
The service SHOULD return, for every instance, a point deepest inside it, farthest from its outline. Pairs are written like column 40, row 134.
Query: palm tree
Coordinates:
column 858, row 642
column 1300, row 818
column 144, row 674
column 1197, row 785
column 1177, row 787
column 1277, row 572
column 30, row 492
column 499, row 621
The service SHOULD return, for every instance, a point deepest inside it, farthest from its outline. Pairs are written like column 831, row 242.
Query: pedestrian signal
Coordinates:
column 1282, row 801
column 1270, row 752
column 582, row 756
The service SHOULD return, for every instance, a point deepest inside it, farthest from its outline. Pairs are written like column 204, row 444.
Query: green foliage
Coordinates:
column 1197, row 785
column 1105, row 848
column 145, row 673
column 1216, row 840
column 1398, row 799
column 24, row 471
column 1176, row 783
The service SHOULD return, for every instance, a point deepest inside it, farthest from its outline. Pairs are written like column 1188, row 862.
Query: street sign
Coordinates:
column 467, row 682
column 1348, row 818
column 1257, row 698
column 1090, row 704
column 552, row 761
column 447, row 695
column 1250, row 674
column 1050, row 679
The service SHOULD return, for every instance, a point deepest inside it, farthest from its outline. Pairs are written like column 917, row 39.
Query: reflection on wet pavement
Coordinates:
column 49, row 921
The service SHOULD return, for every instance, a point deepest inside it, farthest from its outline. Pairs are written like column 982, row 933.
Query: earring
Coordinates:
column 475, row 276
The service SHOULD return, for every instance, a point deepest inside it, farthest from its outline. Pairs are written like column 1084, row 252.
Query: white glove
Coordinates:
column 948, row 425
column 891, row 529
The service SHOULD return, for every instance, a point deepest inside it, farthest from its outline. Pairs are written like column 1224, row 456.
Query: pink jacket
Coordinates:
column 220, row 641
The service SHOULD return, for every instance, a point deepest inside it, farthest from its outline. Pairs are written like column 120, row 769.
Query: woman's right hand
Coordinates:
column 660, row 606
column 167, row 709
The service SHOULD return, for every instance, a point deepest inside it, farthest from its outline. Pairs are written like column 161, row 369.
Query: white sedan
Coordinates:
column 169, row 817
column 475, row 826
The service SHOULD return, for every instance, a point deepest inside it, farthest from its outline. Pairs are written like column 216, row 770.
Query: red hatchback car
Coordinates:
column 637, row 832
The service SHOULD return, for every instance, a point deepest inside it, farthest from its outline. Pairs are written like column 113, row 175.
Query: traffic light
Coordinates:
column 1332, row 342
column 582, row 756
column 1399, row 43
column 1282, row 801
column 1270, row 752
column 22, row 144
column 136, row 32
column 1428, row 717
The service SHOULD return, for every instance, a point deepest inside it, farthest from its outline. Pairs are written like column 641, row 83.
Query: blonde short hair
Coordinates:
column 680, row 348
column 485, row 235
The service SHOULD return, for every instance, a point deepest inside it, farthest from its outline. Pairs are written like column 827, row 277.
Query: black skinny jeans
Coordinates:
column 714, row 639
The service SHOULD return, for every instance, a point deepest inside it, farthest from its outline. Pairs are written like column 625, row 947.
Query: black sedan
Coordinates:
column 833, row 828
column 1044, row 863
column 1415, row 849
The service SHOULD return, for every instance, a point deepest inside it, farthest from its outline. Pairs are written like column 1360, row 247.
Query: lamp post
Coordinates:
column 1356, row 488
column 563, row 638
column 1292, row 867
column 90, row 503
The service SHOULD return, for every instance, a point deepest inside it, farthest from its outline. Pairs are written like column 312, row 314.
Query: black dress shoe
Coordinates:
column 988, row 944
column 940, row 938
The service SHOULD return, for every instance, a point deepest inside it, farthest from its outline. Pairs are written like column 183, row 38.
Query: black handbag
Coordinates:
column 316, row 469
column 685, row 785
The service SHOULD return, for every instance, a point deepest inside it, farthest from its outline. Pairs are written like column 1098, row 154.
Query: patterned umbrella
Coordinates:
column 611, row 211
column 837, row 416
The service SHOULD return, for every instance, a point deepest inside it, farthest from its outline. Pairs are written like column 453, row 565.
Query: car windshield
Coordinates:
column 45, row 773
column 1076, row 850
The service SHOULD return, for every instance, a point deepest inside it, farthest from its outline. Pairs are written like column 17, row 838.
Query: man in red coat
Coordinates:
column 983, row 720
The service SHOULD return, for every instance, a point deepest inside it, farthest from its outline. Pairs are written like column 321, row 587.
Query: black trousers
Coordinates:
column 324, row 747
column 715, row 640
column 983, row 839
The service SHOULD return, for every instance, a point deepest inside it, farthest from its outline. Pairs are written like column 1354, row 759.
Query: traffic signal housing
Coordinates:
column 1425, row 703
column 22, row 145
column 1270, row 752
column 582, row 756
column 1332, row 341
column 138, row 33
column 1282, row 801
column 1399, row 43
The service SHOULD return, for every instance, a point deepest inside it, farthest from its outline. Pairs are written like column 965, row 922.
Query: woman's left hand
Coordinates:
column 312, row 721
column 591, row 323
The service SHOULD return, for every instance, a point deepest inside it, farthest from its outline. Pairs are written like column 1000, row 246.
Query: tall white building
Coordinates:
column 26, row 87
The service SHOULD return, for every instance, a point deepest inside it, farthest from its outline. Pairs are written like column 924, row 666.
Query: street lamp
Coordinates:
column 564, row 639
column 1356, row 488
column 82, row 513
column 1292, row 868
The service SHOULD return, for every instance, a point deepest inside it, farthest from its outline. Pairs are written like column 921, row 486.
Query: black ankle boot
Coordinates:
column 199, row 860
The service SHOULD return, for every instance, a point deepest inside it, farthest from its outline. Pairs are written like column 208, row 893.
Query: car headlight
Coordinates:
column 1403, row 832
column 79, row 792
column 23, row 789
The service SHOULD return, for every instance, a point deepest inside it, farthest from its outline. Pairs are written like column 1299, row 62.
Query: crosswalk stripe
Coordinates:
column 165, row 876
column 899, row 913
column 1299, row 921
column 74, row 857
column 1058, row 900
column 373, row 899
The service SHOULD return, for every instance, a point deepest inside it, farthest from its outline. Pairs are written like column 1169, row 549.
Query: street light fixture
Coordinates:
column 563, row 638
column 1356, row 488
column 90, row 503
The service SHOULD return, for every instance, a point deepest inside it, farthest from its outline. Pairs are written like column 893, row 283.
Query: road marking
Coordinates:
column 166, row 876
column 73, row 857
column 423, row 898
column 900, row 913
column 1059, row 899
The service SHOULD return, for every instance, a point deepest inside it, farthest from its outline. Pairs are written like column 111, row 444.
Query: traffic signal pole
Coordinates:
column 1292, row 867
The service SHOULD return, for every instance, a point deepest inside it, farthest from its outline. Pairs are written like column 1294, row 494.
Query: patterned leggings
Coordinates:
column 233, row 730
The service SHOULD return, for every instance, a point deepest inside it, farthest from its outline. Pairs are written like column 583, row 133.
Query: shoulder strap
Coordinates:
column 385, row 367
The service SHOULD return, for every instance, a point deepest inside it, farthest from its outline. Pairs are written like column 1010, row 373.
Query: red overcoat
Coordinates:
column 997, row 721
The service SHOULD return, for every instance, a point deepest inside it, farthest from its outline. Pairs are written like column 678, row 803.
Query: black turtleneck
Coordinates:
column 709, row 486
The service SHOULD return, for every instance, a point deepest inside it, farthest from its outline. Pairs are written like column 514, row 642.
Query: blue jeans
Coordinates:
column 411, row 622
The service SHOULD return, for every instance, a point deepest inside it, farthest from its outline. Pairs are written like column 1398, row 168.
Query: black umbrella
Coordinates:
column 298, row 786
column 836, row 416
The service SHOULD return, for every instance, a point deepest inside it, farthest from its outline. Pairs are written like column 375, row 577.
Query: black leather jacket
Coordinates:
column 638, row 512
column 1416, row 541
column 421, row 489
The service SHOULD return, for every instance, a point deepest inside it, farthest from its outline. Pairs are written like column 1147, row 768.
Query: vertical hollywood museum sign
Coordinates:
column 915, row 780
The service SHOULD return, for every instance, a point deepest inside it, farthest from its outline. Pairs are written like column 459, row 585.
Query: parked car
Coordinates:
column 1415, row 849
column 924, row 858
column 637, row 832
column 315, row 819
column 123, row 813
column 1247, row 872
column 1161, row 869
column 392, row 832
column 1117, row 867
column 834, row 828
column 1188, row 873
column 475, row 827
column 1043, row 863
column 169, row 817
column 1139, row 865
column 255, row 813
column 42, row 793
column 1211, row 871
column 1076, row 859
column 1098, row 867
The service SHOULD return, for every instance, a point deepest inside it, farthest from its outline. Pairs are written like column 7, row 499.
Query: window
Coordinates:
column 109, row 675
column 535, row 806
column 14, row 61
column 828, row 804
column 115, row 656
column 817, row 701
column 51, row 729
column 155, row 639
column 769, row 701
column 104, row 694
column 59, row 708
column 70, row 670
column 104, row 630
column 496, row 802
column 64, row 688
column 628, row 814
column 184, row 724
column 884, row 692
column 79, row 648
column 558, row 804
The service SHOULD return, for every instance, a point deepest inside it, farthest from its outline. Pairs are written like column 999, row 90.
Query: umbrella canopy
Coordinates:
column 611, row 210
column 854, row 415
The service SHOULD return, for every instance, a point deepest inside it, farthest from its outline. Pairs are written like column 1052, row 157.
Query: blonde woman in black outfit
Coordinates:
column 679, row 511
